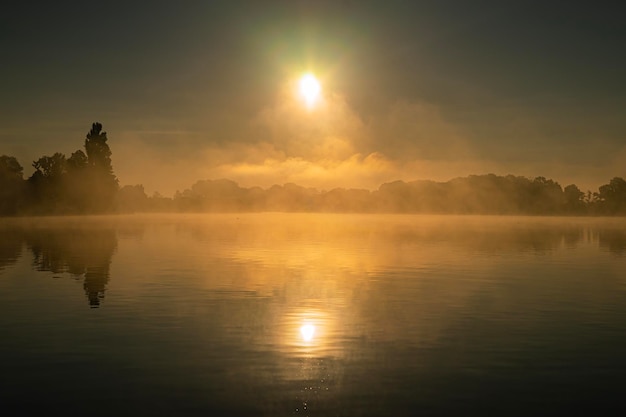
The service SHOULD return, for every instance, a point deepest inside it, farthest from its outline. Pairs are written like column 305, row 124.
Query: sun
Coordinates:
column 309, row 88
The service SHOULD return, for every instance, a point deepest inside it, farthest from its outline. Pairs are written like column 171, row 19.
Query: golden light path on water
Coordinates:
column 310, row 332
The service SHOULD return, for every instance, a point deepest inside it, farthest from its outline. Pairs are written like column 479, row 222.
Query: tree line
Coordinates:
column 475, row 194
column 85, row 183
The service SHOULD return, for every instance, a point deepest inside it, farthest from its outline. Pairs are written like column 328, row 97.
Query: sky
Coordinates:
column 411, row 90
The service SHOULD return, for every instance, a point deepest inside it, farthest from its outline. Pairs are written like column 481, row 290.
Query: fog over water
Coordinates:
column 281, row 314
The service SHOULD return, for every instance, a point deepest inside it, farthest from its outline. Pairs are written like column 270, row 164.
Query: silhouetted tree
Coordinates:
column 82, row 183
column 485, row 194
column 132, row 198
column 46, row 184
column 546, row 196
column 99, row 173
column 77, row 161
column 160, row 204
column 11, row 185
column 10, row 169
column 291, row 197
column 574, row 203
column 398, row 196
column 98, row 152
column 612, row 196
column 77, row 185
column 51, row 167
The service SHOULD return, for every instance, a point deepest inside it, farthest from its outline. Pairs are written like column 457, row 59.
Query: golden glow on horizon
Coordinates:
column 309, row 88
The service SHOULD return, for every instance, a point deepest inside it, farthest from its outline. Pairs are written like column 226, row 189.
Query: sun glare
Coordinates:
column 309, row 88
column 307, row 331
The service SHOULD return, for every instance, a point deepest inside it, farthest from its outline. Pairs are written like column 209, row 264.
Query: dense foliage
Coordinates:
column 80, row 184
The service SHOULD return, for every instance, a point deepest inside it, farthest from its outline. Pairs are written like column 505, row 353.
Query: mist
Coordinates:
column 334, row 145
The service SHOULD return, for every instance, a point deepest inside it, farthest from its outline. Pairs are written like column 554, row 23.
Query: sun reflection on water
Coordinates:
column 307, row 331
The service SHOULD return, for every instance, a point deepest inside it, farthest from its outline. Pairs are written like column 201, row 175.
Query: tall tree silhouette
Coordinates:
column 102, row 181
column 98, row 152
column 77, row 182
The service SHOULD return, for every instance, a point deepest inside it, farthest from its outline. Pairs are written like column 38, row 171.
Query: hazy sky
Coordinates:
column 411, row 89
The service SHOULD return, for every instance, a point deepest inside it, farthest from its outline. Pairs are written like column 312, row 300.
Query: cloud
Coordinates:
column 325, row 147
column 332, row 146
column 356, row 171
column 328, row 130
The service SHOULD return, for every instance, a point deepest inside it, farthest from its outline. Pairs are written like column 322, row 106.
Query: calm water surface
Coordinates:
column 319, row 315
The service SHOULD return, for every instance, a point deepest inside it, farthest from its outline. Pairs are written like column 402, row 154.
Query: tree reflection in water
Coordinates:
column 10, row 246
column 614, row 240
column 84, row 252
column 80, row 252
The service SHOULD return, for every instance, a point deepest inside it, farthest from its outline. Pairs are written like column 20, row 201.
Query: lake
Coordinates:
column 312, row 315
